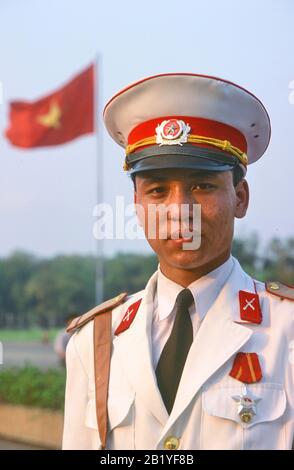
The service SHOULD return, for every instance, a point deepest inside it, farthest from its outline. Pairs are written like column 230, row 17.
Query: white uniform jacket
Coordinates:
column 204, row 416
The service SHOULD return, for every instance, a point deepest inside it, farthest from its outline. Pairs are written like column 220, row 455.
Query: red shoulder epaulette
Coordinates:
column 104, row 307
column 284, row 291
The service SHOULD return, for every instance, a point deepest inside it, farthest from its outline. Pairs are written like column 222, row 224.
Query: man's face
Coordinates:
column 220, row 203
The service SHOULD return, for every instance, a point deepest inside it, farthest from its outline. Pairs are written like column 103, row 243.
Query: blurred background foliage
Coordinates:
column 30, row 386
column 37, row 292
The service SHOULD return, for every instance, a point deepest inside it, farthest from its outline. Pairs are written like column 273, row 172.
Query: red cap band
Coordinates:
column 199, row 126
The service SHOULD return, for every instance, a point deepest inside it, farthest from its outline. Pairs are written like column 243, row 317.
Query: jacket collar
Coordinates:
column 205, row 290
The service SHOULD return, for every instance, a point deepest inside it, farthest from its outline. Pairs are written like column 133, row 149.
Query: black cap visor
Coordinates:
column 186, row 156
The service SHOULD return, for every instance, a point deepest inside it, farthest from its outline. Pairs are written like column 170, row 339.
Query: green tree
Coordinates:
column 61, row 286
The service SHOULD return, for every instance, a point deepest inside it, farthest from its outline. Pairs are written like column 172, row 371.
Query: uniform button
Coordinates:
column 171, row 443
column 274, row 286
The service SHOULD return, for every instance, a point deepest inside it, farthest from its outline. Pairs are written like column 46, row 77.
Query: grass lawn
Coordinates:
column 27, row 335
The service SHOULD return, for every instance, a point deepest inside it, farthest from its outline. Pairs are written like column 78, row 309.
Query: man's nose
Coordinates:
column 180, row 202
column 180, row 194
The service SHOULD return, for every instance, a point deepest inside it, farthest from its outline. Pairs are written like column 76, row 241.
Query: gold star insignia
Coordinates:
column 52, row 118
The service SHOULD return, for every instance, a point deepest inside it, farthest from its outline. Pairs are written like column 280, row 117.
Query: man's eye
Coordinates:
column 156, row 190
column 202, row 186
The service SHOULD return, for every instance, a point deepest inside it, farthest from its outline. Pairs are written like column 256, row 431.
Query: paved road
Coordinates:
column 33, row 353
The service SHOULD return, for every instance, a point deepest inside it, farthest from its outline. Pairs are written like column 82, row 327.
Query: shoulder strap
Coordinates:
column 283, row 291
column 102, row 337
column 102, row 355
column 80, row 321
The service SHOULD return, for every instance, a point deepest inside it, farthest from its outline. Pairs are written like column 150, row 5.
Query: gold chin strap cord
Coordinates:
column 224, row 145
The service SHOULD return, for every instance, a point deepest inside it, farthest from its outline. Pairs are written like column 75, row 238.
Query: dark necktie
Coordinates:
column 173, row 357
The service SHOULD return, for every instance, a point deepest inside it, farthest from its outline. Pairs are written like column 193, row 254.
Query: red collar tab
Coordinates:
column 128, row 318
column 246, row 368
column 250, row 310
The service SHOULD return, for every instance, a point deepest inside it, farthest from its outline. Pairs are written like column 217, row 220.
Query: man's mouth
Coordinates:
column 183, row 235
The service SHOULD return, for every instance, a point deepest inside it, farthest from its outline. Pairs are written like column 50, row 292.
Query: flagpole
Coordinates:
column 98, row 110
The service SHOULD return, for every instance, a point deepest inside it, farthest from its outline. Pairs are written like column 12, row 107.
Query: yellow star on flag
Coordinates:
column 52, row 118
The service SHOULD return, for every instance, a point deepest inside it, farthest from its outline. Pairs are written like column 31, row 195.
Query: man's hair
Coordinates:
column 237, row 176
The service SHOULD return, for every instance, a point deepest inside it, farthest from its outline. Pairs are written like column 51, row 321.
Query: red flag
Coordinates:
column 58, row 118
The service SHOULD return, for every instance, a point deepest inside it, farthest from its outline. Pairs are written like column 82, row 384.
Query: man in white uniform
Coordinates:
column 203, row 357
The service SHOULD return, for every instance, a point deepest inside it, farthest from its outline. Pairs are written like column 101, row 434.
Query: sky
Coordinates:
column 47, row 196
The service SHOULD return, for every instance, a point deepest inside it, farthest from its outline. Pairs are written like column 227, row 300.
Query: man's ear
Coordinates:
column 242, row 199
